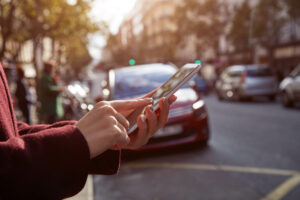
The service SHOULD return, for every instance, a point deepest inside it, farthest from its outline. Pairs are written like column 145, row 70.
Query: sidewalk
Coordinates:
column 87, row 191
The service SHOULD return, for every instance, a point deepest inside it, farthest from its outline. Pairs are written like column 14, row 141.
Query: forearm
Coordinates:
column 52, row 163
column 24, row 128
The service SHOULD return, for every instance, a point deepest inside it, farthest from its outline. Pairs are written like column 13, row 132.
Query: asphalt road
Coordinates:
column 254, row 153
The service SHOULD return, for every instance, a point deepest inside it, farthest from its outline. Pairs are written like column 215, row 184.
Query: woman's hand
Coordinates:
column 105, row 127
column 148, row 124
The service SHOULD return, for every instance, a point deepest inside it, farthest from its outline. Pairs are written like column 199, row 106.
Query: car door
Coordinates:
column 296, row 84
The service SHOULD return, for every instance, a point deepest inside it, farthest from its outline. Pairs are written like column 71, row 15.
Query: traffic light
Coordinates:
column 198, row 62
column 132, row 62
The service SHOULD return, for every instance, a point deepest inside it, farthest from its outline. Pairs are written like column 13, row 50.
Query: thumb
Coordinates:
column 131, row 104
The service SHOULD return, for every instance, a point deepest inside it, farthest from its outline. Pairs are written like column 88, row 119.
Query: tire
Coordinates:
column 237, row 96
column 272, row 97
column 220, row 98
column 286, row 101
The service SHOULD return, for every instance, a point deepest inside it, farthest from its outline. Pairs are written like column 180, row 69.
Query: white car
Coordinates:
column 243, row 81
column 290, row 88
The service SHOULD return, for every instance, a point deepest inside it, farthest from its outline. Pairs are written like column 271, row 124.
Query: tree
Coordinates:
column 294, row 9
column 68, row 25
column 11, row 28
column 59, row 20
column 117, row 54
column 268, row 22
column 240, row 29
column 205, row 19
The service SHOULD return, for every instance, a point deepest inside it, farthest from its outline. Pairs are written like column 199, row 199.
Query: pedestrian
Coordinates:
column 52, row 161
column 49, row 95
column 23, row 94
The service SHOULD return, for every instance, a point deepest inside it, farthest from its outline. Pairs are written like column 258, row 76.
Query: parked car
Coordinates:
column 188, row 118
column 76, row 100
column 244, row 81
column 290, row 88
column 199, row 85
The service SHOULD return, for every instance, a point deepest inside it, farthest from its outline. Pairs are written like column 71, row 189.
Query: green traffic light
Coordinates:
column 198, row 62
column 132, row 62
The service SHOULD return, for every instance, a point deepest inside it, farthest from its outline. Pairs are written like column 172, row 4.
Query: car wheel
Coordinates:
column 285, row 100
column 220, row 98
column 272, row 97
column 237, row 96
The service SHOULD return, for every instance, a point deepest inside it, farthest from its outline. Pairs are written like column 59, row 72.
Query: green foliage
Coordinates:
column 268, row 22
column 293, row 8
column 241, row 24
column 205, row 19
column 11, row 27
column 77, row 53
column 64, row 23
column 261, row 23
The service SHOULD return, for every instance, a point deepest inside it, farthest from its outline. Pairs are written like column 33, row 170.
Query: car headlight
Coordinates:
column 84, row 106
column 90, row 107
column 199, row 109
column 198, row 104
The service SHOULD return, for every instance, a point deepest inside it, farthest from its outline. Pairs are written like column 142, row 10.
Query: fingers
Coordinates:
column 150, row 94
column 122, row 135
column 164, row 112
column 142, row 124
column 123, row 121
column 130, row 104
column 141, row 137
column 152, row 121
column 172, row 99
column 112, row 115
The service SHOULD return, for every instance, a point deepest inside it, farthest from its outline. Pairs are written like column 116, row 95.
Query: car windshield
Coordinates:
column 235, row 73
column 137, row 81
column 259, row 72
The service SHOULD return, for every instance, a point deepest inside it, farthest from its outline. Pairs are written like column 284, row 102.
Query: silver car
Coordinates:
column 243, row 81
column 290, row 88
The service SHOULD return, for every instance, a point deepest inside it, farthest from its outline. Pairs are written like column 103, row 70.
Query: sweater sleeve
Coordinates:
column 52, row 163
column 24, row 128
column 107, row 163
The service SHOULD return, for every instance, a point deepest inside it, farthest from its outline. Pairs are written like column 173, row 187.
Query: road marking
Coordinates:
column 214, row 168
column 283, row 189
column 279, row 192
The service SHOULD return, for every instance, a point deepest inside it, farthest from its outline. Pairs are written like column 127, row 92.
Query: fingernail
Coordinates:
column 166, row 101
column 148, row 99
column 143, row 118
column 151, row 108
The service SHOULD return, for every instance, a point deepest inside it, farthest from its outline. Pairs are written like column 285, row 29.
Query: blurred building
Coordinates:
column 145, row 34
column 46, row 50
column 148, row 19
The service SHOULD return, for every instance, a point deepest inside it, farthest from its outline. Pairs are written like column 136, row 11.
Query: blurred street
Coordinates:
column 253, row 154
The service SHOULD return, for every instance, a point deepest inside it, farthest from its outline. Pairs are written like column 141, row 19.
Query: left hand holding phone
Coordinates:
column 149, row 123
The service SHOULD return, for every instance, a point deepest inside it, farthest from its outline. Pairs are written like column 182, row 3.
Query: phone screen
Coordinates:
column 168, row 87
column 166, row 90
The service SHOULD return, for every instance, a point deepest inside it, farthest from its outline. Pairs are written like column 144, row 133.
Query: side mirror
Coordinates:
column 192, row 84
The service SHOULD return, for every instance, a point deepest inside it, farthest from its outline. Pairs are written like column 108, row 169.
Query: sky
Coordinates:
column 113, row 13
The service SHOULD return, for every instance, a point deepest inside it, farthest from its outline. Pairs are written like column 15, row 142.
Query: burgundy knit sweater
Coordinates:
column 44, row 161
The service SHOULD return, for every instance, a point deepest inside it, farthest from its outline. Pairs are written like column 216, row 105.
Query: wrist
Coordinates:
column 93, row 138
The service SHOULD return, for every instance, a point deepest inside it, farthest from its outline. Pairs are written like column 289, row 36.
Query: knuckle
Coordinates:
column 101, row 103
column 116, row 132
column 112, row 120
column 108, row 109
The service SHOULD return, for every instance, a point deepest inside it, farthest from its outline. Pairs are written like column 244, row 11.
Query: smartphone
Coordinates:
column 183, row 75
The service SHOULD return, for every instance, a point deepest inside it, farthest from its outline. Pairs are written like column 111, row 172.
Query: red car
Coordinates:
column 188, row 118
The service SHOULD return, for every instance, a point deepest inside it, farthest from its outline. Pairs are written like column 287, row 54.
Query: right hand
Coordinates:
column 104, row 126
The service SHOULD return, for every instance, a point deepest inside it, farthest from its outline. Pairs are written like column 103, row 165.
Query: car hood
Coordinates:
column 185, row 96
column 285, row 82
